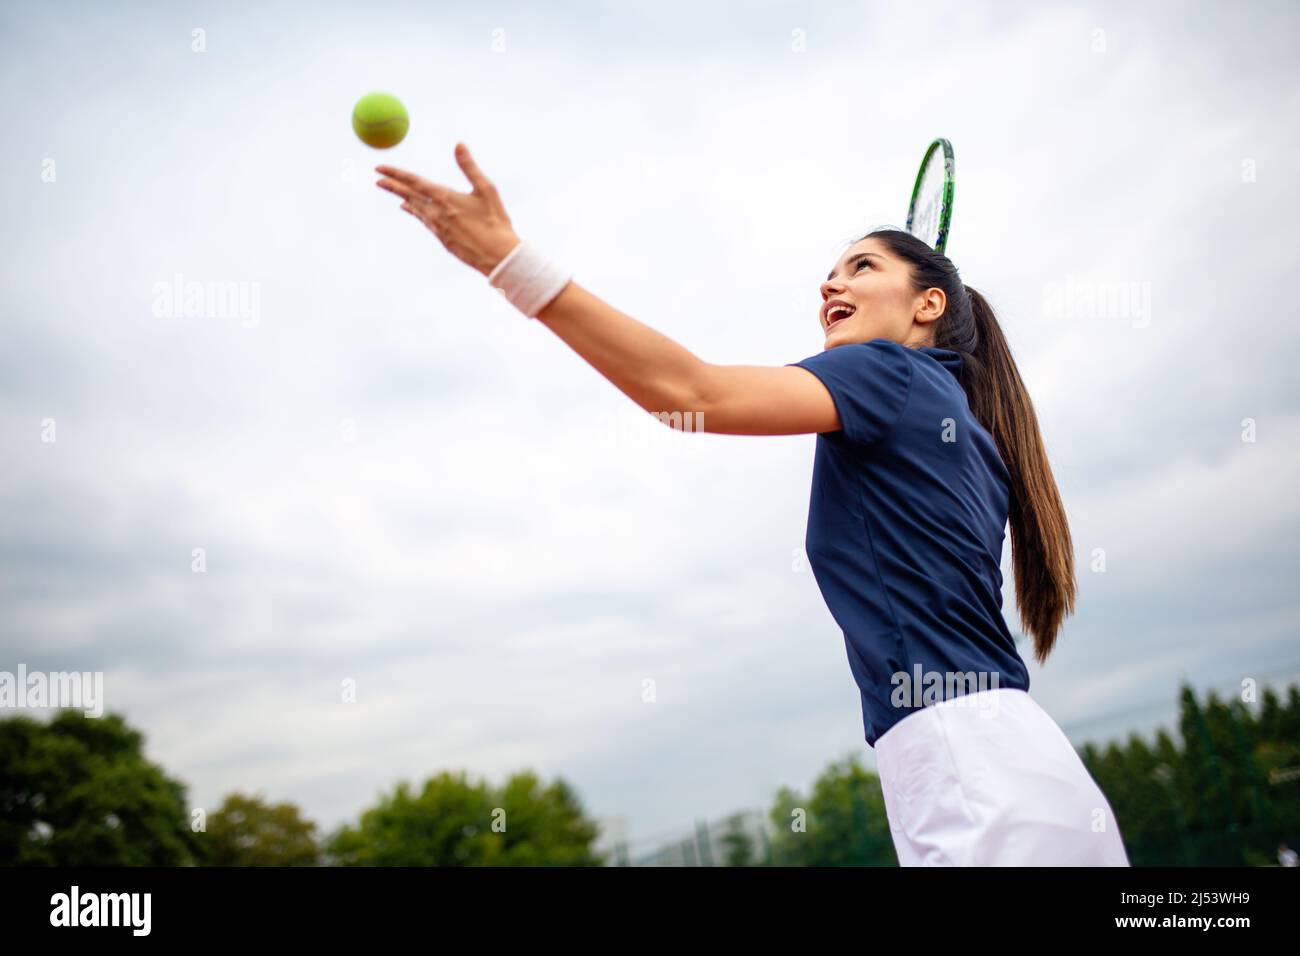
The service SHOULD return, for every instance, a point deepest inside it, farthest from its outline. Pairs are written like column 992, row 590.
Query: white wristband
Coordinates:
column 528, row 279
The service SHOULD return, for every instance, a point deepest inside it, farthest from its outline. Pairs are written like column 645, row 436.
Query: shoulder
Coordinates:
column 869, row 382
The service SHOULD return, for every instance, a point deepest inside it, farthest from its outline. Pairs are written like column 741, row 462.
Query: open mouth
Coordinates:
column 837, row 314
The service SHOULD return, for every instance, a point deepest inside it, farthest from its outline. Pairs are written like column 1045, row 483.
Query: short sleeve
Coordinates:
column 869, row 383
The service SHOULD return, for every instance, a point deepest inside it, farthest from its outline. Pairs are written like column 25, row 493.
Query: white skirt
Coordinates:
column 989, row 779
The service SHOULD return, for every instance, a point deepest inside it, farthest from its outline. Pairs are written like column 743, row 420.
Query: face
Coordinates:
column 876, row 288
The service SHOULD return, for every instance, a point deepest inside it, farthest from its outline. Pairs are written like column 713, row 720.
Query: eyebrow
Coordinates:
column 861, row 255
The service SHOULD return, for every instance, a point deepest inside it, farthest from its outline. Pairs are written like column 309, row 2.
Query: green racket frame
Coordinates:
column 945, row 210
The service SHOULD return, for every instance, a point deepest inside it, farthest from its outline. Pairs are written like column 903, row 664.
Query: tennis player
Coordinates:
column 927, row 443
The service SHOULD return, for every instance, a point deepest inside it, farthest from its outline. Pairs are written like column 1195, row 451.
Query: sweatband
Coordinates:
column 528, row 279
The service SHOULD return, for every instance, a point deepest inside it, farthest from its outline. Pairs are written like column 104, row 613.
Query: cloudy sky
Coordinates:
column 397, row 480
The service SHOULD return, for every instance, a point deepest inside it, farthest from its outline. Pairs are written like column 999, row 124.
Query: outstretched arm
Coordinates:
column 647, row 366
column 662, row 376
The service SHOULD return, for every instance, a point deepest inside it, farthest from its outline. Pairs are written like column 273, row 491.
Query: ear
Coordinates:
column 931, row 304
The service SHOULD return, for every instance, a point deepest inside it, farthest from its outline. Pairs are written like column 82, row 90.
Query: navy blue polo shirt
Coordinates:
column 905, row 528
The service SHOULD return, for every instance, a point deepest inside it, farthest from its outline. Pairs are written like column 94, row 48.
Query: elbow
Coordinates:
column 683, row 406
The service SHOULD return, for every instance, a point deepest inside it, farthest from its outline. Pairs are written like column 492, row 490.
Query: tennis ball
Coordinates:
column 380, row 120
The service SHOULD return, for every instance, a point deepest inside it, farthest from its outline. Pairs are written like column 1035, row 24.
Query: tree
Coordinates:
column 246, row 831
column 1227, row 793
column 454, row 822
column 78, row 791
column 845, row 820
column 738, row 846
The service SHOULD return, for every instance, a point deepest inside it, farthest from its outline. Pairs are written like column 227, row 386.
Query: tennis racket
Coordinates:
column 930, row 212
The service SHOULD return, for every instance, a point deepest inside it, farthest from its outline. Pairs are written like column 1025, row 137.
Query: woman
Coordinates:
column 926, row 444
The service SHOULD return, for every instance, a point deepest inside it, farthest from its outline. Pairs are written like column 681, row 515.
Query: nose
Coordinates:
column 830, row 287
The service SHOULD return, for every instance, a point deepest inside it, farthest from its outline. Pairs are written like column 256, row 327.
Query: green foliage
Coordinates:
column 842, row 824
column 452, row 821
column 247, row 831
column 78, row 791
column 1216, row 800
column 737, row 846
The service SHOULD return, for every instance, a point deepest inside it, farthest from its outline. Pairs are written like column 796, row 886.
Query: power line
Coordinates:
column 1293, row 668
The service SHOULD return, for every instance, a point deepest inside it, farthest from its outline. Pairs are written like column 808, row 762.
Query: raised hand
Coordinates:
column 472, row 226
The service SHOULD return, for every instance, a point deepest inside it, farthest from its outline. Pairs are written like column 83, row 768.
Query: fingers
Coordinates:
column 423, row 210
column 456, row 218
column 482, row 185
column 399, row 189
column 428, row 210
column 428, row 213
column 416, row 184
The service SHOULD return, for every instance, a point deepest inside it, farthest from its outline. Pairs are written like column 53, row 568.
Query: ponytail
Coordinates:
column 1042, row 552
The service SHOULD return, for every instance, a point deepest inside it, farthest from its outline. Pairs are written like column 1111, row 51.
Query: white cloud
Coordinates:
column 508, row 545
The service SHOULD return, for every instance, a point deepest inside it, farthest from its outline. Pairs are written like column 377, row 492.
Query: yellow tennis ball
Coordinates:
column 380, row 120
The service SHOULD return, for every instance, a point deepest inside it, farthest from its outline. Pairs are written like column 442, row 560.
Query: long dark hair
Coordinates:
column 1042, row 552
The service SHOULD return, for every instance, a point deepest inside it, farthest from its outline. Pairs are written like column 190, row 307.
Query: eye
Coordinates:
column 861, row 263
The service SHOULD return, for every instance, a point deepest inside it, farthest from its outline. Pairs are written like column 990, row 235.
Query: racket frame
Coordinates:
column 945, row 211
